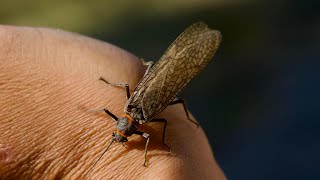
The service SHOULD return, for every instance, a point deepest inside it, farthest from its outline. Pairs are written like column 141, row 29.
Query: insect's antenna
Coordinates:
column 99, row 157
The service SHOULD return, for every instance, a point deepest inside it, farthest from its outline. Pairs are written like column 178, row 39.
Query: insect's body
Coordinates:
column 158, row 88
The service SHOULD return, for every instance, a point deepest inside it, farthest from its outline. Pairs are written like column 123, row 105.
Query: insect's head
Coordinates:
column 119, row 137
column 120, row 134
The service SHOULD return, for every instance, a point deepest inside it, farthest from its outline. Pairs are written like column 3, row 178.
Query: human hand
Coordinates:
column 48, row 85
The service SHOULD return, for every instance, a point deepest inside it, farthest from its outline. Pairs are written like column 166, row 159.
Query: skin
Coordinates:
column 49, row 90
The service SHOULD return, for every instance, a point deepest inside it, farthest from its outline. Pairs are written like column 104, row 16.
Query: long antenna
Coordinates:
column 99, row 157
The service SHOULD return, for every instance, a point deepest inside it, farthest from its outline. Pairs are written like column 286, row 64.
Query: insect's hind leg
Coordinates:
column 181, row 101
column 164, row 130
column 125, row 85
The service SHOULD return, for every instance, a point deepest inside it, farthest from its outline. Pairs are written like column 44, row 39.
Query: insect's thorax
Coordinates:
column 136, row 113
column 126, row 127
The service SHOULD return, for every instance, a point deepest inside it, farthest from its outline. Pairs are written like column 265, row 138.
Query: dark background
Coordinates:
column 258, row 101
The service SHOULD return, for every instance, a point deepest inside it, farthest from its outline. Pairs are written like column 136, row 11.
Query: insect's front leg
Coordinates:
column 125, row 85
column 181, row 101
column 145, row 135
column 114, row 117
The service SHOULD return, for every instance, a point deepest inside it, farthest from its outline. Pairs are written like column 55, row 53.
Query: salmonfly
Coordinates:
column 185, row 57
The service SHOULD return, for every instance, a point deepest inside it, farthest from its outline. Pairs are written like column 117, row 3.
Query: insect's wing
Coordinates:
column 184, row 58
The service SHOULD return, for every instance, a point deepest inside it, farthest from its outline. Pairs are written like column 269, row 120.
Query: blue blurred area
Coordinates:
column 283, row 143
column 257, row 101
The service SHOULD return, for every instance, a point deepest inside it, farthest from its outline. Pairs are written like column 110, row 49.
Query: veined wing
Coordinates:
column 184, row 58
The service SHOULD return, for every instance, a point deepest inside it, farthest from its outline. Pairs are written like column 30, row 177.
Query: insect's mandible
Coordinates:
column 185, row 57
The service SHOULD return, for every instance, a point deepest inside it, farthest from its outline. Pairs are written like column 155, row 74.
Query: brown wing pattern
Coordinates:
column 184, row 58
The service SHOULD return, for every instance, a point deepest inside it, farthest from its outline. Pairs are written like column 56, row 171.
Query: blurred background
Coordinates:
column 258, row 101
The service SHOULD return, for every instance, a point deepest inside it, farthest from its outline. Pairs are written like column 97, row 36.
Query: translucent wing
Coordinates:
column 184, row 58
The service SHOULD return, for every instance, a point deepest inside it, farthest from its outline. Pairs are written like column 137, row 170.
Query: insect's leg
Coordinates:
column 164, row 130
column 145, row 135
column 149, row 64
column 178, row 101
column 125, row 85
column 114, row 117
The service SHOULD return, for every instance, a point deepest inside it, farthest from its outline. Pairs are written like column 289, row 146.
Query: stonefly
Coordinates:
column 185, row 57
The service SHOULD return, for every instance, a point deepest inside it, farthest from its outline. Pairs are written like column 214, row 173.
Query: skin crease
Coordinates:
column 49, row 88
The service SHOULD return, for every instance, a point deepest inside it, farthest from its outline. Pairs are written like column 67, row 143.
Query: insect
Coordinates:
column 185, row 57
